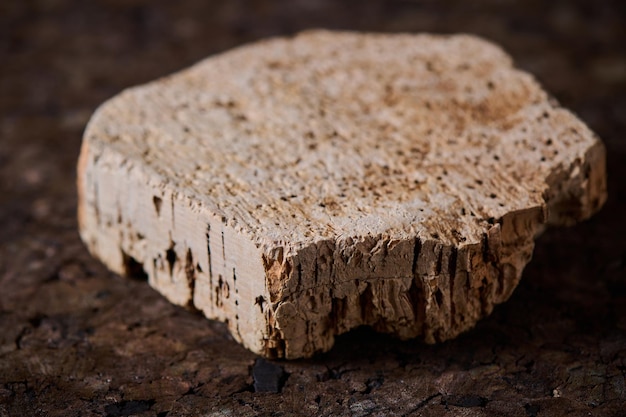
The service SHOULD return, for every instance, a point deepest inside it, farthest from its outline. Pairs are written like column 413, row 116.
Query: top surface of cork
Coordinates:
column 330, row 135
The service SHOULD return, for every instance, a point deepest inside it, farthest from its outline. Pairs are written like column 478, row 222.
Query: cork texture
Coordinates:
column 298, row 188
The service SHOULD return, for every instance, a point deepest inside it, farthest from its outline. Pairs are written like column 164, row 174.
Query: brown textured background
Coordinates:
column 76, row 340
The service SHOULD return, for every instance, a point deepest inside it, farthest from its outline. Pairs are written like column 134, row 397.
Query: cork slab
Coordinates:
column 298, row 188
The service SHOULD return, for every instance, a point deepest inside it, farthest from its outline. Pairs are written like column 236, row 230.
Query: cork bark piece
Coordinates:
column 298, row 188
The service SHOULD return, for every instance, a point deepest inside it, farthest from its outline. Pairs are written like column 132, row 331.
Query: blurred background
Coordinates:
column 77, row 340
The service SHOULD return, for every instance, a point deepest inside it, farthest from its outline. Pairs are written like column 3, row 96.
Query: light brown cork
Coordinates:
column 298, row 188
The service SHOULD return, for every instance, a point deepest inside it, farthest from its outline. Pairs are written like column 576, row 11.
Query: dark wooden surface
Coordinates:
column 76, row 340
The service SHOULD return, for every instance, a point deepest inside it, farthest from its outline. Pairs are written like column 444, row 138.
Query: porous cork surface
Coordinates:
column 78, row 340
column 299, row 188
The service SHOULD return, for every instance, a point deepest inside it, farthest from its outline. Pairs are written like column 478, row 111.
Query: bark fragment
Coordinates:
column 299, row 188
